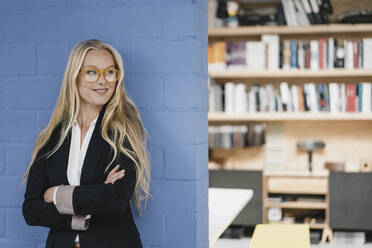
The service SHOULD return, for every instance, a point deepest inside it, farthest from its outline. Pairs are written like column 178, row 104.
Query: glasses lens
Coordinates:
column 111, row 75
column 91, row 75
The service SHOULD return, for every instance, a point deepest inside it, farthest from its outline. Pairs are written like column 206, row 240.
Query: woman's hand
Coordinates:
column 48, row 195
column 115, row 175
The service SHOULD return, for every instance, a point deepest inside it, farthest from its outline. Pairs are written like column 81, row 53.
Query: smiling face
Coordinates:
column 100, row 92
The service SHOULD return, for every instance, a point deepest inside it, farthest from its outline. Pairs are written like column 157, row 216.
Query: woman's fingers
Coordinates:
column 114, row 169
column 115, row 176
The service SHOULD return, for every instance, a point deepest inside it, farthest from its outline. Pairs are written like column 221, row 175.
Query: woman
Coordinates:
column 91, row 158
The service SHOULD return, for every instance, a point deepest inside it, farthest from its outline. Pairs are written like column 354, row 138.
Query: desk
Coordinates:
column 224, row 205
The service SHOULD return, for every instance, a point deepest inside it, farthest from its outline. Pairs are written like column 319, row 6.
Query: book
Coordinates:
column 366, row 97
column 302, row 17
column 293, row 54
column 286, row 55
column 255, row 55
column 236, row 57
column 314, row 55
column 331, row 53
column 289, row 12
column 273, row 50
column 350, row 97
column 367, row 52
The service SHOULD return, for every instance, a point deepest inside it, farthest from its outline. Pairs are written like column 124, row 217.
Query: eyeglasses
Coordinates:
column 91, row 74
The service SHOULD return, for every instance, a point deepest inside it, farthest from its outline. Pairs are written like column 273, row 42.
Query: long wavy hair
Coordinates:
column 121, row 117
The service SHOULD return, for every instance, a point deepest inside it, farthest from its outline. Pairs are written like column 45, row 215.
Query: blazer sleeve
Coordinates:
column 100, row 199
column 36, row 212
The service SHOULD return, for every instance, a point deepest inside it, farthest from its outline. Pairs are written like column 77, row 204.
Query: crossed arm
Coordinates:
column 108, row 198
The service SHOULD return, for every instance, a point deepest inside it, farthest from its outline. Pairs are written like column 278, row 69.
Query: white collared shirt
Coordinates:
column 77, row 155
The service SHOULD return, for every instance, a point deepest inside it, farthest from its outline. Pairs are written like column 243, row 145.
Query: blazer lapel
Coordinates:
column 94, row 151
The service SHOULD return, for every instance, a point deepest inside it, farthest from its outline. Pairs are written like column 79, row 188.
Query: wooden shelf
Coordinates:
column 337, row 73
column 311, row 225
column 219, row 118
column 297, row 205
column 331, row 29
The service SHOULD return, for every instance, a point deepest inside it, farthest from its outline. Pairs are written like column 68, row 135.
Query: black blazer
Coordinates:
column 111, row 223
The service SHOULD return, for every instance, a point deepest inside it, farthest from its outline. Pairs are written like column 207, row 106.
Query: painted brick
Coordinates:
column 2, row 95
column 202, row 126
column 180, row 163
column 18, row 157
column 156, row 162
column 202, row 159
column 202, row 227
column 17, row 228
column 164, row 127
column 29, row 5
column 202, row 27
column 203, row 187
column 2, row 222
column 183, row 92
column 16, row 244
column 152, row 228
column 166, row 196
column 93, row 4
column 145, row 91
column 60, row 55
column 17, row 59
column 43, row 118
column 180, row 20
column 166, row 56
column 37, row 93
column 2, row 158
column 63, row 26
column 118, row 22
column 12, row 194
column 3, row 26
column 181, row 231
column 17, row 126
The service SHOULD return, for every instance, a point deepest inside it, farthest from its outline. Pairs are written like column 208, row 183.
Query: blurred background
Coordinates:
column 290, row 116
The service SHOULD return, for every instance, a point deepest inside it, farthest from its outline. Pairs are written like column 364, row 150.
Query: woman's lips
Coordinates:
column 100, row 91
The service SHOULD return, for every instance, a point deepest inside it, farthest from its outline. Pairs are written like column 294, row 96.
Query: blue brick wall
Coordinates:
column 164, row 47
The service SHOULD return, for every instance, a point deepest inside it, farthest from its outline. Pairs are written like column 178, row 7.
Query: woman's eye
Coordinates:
column 110, row 72
column 91, row 72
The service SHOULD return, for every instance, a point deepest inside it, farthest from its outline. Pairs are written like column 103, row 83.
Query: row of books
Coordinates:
column 313, row 97
column 240, row 136
column 272, row 54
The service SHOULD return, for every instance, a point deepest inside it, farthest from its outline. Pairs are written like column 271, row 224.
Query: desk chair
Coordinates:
column 281, row 236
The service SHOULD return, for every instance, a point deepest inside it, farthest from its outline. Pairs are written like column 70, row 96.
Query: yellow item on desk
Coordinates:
column 281, row 236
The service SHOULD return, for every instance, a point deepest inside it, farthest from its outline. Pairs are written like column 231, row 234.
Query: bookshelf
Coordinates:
column 219, row 118
column 347, row 134
column 338, row 30
column 255, row 75
column 294, row 185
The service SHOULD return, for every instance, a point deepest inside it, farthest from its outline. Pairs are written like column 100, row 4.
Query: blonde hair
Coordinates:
column 121, row 116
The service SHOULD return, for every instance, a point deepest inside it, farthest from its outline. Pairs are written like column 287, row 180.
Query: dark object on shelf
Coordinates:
column 357, row 16
column 269, row 15
column 279, row 16
column 233, row 232
column 309, row 146
column 350, row 200
column 255, row 19
column 315, row 236
column 325, row 9
column 222, row 11
column 334, row 166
